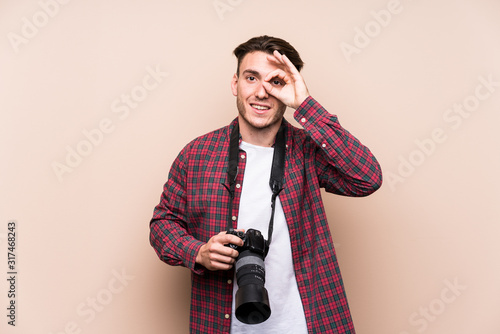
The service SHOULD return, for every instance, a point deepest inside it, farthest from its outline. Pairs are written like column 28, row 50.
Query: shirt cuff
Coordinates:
column 189, row 257
column 311, row 112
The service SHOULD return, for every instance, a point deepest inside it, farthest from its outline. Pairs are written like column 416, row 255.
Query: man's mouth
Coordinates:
column 259, row 107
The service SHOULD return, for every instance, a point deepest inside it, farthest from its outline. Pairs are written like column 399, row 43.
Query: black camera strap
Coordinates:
column 276, row 180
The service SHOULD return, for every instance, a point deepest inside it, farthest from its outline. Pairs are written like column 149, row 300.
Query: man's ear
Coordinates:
column 234, row 84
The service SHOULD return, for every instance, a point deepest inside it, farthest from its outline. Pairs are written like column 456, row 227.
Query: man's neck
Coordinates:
column 259, row 137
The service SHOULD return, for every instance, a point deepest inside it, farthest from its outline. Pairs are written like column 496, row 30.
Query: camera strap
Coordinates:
column 276, row 180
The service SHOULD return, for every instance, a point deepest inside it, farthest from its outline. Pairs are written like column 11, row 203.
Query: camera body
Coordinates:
column 252, row 300
column 253, row 240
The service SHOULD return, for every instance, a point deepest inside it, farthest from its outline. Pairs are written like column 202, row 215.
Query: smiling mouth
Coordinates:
column 259, row 107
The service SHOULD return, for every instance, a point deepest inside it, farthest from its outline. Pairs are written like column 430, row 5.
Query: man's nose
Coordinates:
column 261, row 92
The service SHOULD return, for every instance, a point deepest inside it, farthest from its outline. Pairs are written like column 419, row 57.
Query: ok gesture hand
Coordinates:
column 292, row 90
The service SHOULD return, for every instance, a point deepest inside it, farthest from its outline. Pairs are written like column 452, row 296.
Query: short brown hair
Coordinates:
column 268, row 44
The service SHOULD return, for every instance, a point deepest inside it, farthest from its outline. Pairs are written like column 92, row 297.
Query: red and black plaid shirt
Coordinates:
column 194, row 207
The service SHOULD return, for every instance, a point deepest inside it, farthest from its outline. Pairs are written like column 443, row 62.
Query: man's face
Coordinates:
column 257, row 109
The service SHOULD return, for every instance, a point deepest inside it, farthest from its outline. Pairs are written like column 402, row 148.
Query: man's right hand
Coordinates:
column 214, row 255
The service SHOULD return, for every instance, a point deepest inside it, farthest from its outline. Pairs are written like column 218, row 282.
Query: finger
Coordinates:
column 213, row 266
column 232, row 239
column 228, row 251
column 236, row 229
column 275, row 57
column 270, row 89
column 276, row 61
column 222, row 254
column 225, row 239
column 215, row 257
column 282, row 60
column 289, row 64
column 221, row 266
column 278, row 56
column 282, row 75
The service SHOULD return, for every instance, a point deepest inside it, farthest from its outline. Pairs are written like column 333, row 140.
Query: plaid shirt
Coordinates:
column 194, row 207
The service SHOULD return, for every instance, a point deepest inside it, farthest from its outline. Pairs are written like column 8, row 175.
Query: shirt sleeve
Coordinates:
column 169, row 230
column 344, row 165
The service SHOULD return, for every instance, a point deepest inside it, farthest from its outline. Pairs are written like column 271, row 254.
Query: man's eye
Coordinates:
column 277, row 82
column 250, row 78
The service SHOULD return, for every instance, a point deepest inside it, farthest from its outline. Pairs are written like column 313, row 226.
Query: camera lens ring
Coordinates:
column 249, row 259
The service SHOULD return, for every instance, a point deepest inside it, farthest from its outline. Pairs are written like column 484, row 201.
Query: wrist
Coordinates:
column 301, row 100
column 199, row 258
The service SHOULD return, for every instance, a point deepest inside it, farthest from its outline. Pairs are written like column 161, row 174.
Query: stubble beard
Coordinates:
column 275, row 118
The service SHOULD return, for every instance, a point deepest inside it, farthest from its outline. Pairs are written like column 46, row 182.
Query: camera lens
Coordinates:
column 252, row 300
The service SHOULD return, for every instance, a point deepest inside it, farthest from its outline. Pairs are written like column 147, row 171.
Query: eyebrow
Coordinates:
column 250, row 71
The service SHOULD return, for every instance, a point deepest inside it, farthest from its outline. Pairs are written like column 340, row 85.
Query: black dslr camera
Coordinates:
column 252, row 300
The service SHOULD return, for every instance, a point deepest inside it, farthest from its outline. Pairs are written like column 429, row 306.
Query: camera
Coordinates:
column 252, row 300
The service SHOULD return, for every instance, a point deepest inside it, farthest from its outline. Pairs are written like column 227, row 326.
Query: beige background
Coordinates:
column 418, row 256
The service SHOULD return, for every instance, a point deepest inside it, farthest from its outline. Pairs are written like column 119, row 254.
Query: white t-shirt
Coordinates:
column 287, row 312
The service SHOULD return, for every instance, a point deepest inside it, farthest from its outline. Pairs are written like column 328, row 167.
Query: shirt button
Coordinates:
column 229, row 281
column 227, row 316
column 303, row 120
column 238, row 185
column 323, row 145
column 234, row 217
column 242, row 156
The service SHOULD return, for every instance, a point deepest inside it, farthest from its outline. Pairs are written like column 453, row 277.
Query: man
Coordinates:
column 189, row 224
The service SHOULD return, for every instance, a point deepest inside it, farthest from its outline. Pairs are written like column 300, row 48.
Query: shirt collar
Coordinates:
column 235, row 121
